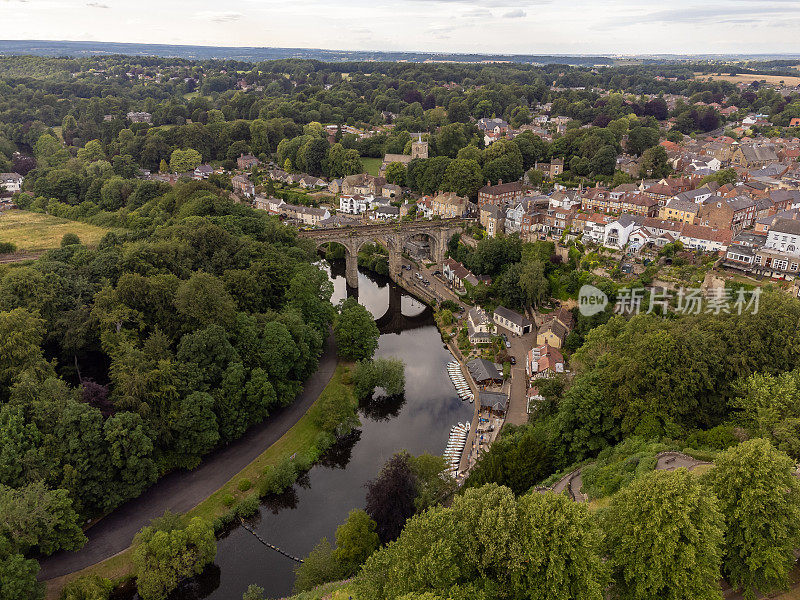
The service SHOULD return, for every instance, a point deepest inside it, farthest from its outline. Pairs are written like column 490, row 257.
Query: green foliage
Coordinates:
column 617, row 467
column 385, row 373
column 519, row 459
column 182, row 161
column 542, row 546
column 244, row 485
column 320, row 566
column 170, row 550
column 87, row 587
column 356, row 331
column 277, row 479
column 18, row 575
column 759, row 497
column 356, row 540
column 663, row 536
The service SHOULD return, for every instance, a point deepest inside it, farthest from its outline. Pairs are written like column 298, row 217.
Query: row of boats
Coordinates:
column 455, row 446
column 458, row 379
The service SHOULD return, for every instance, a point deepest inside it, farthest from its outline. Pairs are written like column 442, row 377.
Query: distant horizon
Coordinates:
column 684, row 56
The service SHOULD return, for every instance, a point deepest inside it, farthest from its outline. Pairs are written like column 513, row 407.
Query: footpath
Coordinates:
column 182, row 490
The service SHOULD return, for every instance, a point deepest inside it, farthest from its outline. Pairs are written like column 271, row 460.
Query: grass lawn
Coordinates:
column 297, row 439
column 372, row 165
column 35, row 232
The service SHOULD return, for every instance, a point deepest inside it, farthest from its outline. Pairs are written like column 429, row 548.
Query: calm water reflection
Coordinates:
column 419, row 422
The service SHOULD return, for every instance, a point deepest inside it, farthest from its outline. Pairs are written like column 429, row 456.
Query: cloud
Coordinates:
column 705, row 15
column 97, row 5
column 219, row 16
column 477, row 13
column 517, row 13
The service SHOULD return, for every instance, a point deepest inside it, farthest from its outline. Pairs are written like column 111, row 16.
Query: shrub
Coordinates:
column 277, row 479
column 228, row 499
column 7, row 247
column 247, row 507
column 244, row 485
column 88, row 587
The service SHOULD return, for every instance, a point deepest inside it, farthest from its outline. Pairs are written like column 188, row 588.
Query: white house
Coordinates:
column 616, row 233
column 785, row 236
column 478, row 326
column 513, row 321
column 10, row 182
column 355, row 204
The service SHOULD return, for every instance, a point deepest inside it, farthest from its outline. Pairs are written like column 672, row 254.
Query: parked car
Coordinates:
column 512, row 360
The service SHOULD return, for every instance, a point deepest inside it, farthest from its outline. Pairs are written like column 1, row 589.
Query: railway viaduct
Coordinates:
column 393, row 236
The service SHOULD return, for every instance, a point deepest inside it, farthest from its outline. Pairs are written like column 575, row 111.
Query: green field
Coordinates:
column 372, row 165
column 36, row 232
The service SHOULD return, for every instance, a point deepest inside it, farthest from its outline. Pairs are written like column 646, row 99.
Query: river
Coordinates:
column 419, row 423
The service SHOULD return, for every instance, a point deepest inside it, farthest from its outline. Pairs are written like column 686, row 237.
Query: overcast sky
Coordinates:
column 497, row 26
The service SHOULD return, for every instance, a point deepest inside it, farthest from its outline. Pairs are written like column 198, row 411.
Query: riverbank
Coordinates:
column 207, row 490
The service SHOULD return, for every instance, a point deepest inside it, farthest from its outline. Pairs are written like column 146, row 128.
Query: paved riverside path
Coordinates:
column 182, row 490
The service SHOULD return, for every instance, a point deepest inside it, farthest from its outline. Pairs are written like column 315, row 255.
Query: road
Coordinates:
column 182, row 490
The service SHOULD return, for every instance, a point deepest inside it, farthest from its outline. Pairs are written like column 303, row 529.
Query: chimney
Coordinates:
column 499, row 182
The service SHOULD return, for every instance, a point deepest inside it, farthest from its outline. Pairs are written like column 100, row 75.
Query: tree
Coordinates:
column 489, row 545
column 396, row 173
column 534, row 283
column 18, row 575
column 163, row 167
column 759, row 498
column 722, row 177
column 170, row 550
column 34, row 516
column 320, row 566
column 464, row 177
column 386, row 373
column 202, row 300
column 70, row 239
column 605, row 161
column 21, row 336
column 130, row 450
column 356, row 540
column 654, row 163
column 184, row 160
column 664, row 537
column 87, row 587
column 254, row 592
column 434, row 482
column 356, row 332
column 390, row 497
column 92, row 151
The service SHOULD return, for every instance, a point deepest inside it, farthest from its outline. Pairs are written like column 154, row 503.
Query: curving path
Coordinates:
column 665, row 461
column 182, row 490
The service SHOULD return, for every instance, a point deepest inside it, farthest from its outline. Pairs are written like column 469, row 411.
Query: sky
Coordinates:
column 487, row 26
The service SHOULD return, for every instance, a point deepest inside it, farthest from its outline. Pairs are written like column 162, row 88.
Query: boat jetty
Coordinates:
column 455, row 446
column 459, row 381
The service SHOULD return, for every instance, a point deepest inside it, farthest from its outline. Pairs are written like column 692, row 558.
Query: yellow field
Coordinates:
column 742, row 78
column 35, row 232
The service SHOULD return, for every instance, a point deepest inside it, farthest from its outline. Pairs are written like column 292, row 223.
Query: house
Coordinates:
column 385, row 213
column 497, row 126
column 308, row 182
column 355, row 204
column 456, row 273
column 337, row 220
column 552, row 333
column 484, row 372
column 449, row 205
column 752, row 157
column 784, row 235
column 308, row 215
column 10, row 182
column 734, row 214
column 272, row 205
column 511, row 320
column 242, row 185
column 495, row 403
column 246, row 161
column 391, row 190
column 140, row 117
column 363, row 184
column 544, row 361
column 615, row 234
column 707, row 239
column 500, row 194
column 203, row 171
column 479, row 328
column 679, row 209
column 493, row 218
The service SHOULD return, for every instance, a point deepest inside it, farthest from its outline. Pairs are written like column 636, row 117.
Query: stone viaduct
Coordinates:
column 393, row 236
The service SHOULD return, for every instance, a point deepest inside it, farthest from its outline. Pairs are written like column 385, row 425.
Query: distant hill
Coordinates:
column 67, row 48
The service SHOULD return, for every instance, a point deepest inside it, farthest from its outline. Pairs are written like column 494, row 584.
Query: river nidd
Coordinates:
column 418, row 422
